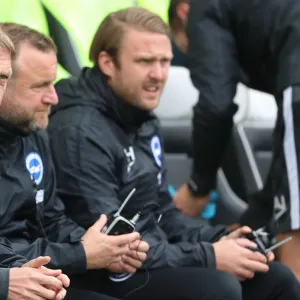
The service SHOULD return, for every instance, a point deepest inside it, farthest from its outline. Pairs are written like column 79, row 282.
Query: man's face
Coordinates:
column 30, row 91
column 144, row 61
column 5, row 70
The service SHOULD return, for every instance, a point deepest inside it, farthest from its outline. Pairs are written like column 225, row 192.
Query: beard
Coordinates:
column 23, row 120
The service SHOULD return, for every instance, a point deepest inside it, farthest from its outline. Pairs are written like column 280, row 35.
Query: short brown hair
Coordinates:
column 22, row 34
column 111, row 31
column 6, row 43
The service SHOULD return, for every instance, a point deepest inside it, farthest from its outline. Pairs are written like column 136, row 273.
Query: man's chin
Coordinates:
column 37, row 126
column 149, row 104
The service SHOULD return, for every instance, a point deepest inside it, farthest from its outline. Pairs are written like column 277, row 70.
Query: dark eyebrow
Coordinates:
column 153, row 58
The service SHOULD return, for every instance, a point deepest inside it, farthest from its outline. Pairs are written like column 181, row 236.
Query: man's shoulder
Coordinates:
column 87, row 124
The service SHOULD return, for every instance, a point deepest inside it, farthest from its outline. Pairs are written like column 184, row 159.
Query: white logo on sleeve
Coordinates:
column 156, row 150
column 130, row 158
column 35, row 167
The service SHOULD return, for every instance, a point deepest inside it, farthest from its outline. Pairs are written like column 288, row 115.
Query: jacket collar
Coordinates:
column 128, row 116
column 9, row 135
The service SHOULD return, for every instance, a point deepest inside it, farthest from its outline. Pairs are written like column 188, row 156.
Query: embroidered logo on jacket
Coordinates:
column 130, row 158
column 35, row 167
column 156, row 150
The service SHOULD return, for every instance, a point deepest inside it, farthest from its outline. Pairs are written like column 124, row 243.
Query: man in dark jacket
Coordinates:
column 106, row 143
column 32, row 217
column 257, row 43
column 33, row 279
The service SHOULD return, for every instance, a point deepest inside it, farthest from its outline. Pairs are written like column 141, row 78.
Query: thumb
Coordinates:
column 245, row 230
column 101, row 222
column 38, row 262
column 245, row 243
column 240, row 232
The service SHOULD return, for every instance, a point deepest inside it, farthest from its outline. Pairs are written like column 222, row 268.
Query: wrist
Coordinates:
column 194, row 190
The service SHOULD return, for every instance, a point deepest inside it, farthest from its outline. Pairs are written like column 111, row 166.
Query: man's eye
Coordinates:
column 145, row 60
column 3, row 77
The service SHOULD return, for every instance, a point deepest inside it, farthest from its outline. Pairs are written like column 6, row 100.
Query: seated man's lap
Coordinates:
column 190, row 282
column 182, row 283
column 278, row 283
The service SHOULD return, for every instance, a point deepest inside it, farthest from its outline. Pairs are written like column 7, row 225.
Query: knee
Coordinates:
column 285, row 280
column 228, row 286
column 281, row 274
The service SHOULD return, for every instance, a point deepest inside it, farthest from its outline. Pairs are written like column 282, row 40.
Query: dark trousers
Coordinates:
column 279, row 200
column 194, row 283
column 75, row 294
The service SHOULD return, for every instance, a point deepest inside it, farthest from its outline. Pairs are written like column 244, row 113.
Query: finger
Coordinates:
column 245, row 243
column 50, row 272
column 257, row 256
column 256, row 266
column 50, row 281
column 141, row 256
column 240, row 278
column 129, row 269
column 38, row 262
column 240, row 232
column 121, row 250
column 100, row 223
column 131, row 261
column 64, row 279
column 61, row 294
column 45, row 292
column 140, row 246
column 270, row 256
column 125, row 239
column 245, row 273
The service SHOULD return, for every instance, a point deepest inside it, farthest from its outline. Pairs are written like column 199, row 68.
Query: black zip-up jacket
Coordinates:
column 32, row 217
column 102, row 149
column 256, row 42
column 8, row 259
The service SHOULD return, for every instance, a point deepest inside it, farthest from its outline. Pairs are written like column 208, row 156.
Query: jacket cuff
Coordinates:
column 4, row 283
column 75, row 260
column 210, row 255
column 201, row 186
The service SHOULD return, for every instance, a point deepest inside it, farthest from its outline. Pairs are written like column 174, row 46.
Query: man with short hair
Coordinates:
column 32, row 279
column 32, row 217
column 106, row 143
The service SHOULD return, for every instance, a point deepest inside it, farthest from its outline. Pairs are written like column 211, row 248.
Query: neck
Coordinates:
column 181, row 40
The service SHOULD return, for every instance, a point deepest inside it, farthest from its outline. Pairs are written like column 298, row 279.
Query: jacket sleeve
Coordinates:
column 4, row 283
column 92, row 181
column 212, row 61
column 62, row 241
column 8, row 258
